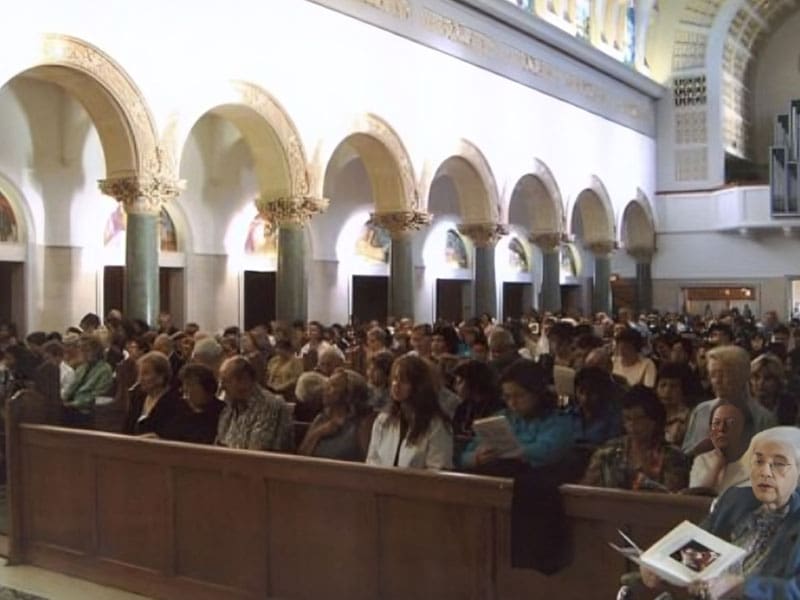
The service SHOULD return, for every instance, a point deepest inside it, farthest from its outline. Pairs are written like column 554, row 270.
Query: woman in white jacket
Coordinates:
column 413, row 432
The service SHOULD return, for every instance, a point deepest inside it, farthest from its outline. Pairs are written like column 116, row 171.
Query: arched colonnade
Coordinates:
column 294, row 177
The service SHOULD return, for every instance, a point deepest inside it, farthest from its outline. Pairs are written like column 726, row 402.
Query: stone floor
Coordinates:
column 29, row 583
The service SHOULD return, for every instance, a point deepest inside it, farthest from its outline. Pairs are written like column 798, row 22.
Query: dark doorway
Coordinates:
column 113, row 289
column 170, row 291
column 514, row 295
column 259, row 298
column 12, row 299
column 571, row 300
column 450, row 299
column 370, row 298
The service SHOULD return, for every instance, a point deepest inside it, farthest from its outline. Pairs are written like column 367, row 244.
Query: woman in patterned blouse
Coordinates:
column 641, row 459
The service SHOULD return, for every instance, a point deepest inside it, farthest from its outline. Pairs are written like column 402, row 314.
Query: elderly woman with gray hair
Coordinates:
column 729, row 371
column 763, row 519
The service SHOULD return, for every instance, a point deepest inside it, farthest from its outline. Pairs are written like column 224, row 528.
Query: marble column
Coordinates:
column 550, row 245
column 484, row 236
column 401, row 226
column 644, row 278
column 601, row 290
column 291, row 214
column 142, row 198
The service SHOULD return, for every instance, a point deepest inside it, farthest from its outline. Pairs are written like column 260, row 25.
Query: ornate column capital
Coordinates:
column 400, row 223
column 142, row 194
column 641, row 254
column 546, row 242
column 483, row 234
column 601, row 249
column 290, row 211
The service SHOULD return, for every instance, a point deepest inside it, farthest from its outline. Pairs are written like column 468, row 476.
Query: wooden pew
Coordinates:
column 173, row 520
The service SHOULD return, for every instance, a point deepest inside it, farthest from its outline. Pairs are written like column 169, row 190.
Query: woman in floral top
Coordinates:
column 641, row 459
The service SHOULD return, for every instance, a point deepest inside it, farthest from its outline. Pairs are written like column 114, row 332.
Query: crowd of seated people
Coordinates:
column 667, row 402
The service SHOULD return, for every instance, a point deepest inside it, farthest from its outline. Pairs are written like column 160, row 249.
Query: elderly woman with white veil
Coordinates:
column 763, row 519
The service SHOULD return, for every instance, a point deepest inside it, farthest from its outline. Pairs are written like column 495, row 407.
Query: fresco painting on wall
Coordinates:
column 517, row 257
column 455, row 252
column 374, row 244
column 262, row 238
column 569, row 263
column 9, row 232
column 117, row 224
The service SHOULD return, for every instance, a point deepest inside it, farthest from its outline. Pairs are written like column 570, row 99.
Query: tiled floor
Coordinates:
column 29, row 583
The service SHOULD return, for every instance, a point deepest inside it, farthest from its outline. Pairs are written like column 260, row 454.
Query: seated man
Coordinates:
column 254, row 419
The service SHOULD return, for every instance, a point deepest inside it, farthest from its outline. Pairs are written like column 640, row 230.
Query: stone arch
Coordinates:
column 593, row 206
column 474, row 181
column 385, row 158
column 541, row 197
column 636, row 226
column 115, row 104
column 278, row 153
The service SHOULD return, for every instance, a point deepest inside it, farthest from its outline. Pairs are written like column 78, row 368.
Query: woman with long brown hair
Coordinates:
column 413, row 432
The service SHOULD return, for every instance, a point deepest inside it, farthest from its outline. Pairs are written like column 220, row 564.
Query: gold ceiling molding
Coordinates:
column 71, row 52
column 459, row 33
column 397, row 8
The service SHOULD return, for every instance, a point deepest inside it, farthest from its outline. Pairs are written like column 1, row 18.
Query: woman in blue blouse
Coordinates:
column 544, row 434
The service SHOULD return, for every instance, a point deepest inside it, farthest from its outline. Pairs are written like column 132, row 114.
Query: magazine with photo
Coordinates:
column 495, row 432
column 685, row 555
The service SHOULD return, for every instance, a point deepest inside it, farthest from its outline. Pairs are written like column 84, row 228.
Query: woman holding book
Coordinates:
column 543, row 434
column 763, row 519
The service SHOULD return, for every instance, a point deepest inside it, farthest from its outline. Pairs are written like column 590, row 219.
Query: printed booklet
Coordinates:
column 495, row 432
column 685, row 555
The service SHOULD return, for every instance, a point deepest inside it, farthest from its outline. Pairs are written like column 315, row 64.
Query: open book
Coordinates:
column 686, row 554
column 495, row 433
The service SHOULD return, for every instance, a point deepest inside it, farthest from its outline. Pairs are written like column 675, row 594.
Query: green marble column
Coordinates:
column 291, row 214
column 290, row 280
column 644, row 287
column 141, row 267
column 401, row 277
column 485, row 281
column 551, row 281
column 601, row 289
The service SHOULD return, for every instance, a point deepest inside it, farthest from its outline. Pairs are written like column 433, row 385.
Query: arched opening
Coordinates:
column 362, row 177
column 535, row 208
column 233, row 155
column 592, row 225
column 458, row 194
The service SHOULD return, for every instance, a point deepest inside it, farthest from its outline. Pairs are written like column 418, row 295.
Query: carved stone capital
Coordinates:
column 641, row 254
column 401, row 222
column 546, row 242
column 142, row 194
column 601, row 249
column 291, row 211
column 483, row 234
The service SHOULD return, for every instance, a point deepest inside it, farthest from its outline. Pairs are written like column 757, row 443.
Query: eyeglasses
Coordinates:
column 776, row 467
column 717, row 424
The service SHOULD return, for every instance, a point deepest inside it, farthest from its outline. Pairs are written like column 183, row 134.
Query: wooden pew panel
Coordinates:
column 323, row 542
column 220, row 524
column 133, row 513
column 434, row 546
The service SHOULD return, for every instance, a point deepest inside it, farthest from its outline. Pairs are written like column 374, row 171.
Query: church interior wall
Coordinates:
column 775, row 82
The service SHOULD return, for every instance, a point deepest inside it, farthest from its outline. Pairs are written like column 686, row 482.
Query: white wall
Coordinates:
column 313, row 60
column 775, row 83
